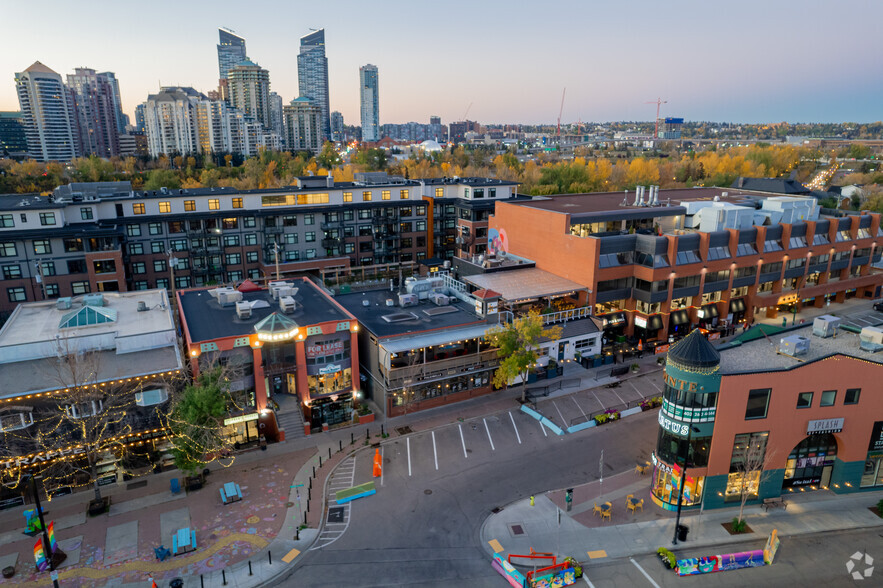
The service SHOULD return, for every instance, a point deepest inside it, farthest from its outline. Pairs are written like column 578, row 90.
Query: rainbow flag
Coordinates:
column 40, row 555
column 53, row 545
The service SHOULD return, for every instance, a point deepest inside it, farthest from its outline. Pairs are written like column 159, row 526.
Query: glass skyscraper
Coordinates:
column 231, row 51
column 368, row 100
column 312, row 76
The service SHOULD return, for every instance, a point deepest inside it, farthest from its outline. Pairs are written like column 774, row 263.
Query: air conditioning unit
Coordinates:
column 287, row 304
column 142, row 306
column 825, row 325
column 408, row 300
column 93, row 300
column 63, row 303
column 278, row 289
column 439, row 299
column 390, row 302
column 871, row 339
column 243, row 310
column 216, row 292
column 794, row 345
column 229, row 298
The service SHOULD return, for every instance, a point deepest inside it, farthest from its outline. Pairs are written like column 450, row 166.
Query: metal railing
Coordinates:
column 567, row 315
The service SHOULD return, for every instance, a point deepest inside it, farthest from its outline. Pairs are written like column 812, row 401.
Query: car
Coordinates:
column 878, row 306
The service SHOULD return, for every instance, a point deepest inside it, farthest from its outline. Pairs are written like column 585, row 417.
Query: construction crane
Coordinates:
column 658, row 102
column 465, row 114
column 560, row 112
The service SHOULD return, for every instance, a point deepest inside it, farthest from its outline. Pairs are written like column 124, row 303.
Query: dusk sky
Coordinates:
column 746, row 61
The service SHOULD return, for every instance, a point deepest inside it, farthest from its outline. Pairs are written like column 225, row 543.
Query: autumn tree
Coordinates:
column 518, row 343
column 749, row 467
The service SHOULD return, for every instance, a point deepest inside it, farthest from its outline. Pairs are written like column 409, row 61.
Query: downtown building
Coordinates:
column 369, row 102
column 802, row 414
column 312, row 77
column 248, row 87
column 303, row 125
column 104, row 237
column 98, row 111
column 48, row 114
column 13, row 140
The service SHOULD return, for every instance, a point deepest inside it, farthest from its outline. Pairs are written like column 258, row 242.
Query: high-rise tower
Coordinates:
column 312, row 76
column 248, row 85
column 47, row 111
column 95, row 101
column 231, row 50
column 369, row 103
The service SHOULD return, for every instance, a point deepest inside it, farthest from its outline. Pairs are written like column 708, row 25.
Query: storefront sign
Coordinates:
column 876, row 437
column 823, row 426
column 665, row 468
column 329, row 348
column 12, row 502
column 48, row 456
column 107, row 480
column 241, row 419
column 640, row 322
column 788, row 299
column 660, row 349
column 677, row 384
column 331, row 368
column 673, row 426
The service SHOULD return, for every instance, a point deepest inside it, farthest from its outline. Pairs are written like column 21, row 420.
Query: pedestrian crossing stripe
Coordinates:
column 495, row 545
column 596, row 554
column 290, row 556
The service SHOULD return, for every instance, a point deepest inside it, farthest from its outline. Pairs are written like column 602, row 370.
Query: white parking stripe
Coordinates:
column 638, row 392
column 618, row 396
column 579, row 407
column 587, row 580
column 646, row 575
column 462, row 440
column 514, row 427
column 409, row 454
column 489, row 435
column 434, row 450
column 563, row 420
column 599, row 400
column 655, row 385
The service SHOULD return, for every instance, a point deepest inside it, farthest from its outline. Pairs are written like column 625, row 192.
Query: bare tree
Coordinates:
column 750, row 465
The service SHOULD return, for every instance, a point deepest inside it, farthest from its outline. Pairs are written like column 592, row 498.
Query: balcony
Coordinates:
column 331, row 225
column 442, row 368
column 273, row 230
column 331, row 242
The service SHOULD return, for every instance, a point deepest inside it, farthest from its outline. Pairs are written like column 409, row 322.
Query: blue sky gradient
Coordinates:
column 748, row 61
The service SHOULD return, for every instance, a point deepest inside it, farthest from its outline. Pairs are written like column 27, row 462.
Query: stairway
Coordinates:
column 290, row 417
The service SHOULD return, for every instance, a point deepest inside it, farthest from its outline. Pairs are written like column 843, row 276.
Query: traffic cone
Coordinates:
column 377, row 463
column 152, row 582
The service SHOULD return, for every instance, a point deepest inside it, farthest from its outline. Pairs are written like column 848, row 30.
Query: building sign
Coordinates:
column 876, row 437
column 788, row 299
column 660, row 349
column 823, row 426
column 677, row 384
column 640, row 322
column 41, row 457
column 241, row 419
column 662, row 467
column 329, row 348
column 673, row 426
column 331, row 368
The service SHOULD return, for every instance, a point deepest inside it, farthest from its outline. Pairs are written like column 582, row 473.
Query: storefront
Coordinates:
column 737, row 309
column 330, row 410
column 614, row 324
column 647, row 328
column 707, row 315
column 242, row 429
column 873, row 472
column 810, row 464
column 679, row 323
column 665, row 486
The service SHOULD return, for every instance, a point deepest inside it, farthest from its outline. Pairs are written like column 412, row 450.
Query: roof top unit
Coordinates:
column 229, row 298
column 215, row 292
column 287, row 304
column 825, row 326
column 243, row 310
column 794, row 345
column 871, row 339
column 93, row 300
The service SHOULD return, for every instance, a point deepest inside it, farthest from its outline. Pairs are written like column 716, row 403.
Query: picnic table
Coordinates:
column 231, row 492
column 183, row 541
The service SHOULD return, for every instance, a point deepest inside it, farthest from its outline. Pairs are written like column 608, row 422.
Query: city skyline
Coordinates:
column 758, row 62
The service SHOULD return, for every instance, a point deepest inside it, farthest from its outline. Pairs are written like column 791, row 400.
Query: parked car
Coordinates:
column 878, row 306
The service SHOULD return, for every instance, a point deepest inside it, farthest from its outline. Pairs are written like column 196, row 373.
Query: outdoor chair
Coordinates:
column 161, row 552
column 597, row 510
column 628, row 499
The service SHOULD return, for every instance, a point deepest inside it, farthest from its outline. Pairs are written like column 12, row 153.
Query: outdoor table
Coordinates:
column 232, row 491
column 635, row 503
column 184, row 540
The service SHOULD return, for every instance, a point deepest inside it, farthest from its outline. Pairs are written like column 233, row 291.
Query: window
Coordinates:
column 478, row 193
column 178, row 244
column 311, row 253
column 80, row 288
column 421, row 210
column 159, row 265
column 310, row 237
column 47, row 218
column 349, row 247
column 309, row 219
column 139, row 267
column 7, row 249
column 137, row 208
column 852, row 395
column 743, row 249
column 289, row 220
column 251, row 239
column 237, row 203
column 804, row 400
column 233, row 259
column 758, row 400
column 772, row 245
column 176, row 227
column 165, row 207
column 136, row 248
column 157, row 247
column 11, row 272
column 42, row 246
column 687, row 257
column 182, row 263
column 86, row 213
column 746, row 466
column 439, row 192
column 162, row 283
column 347, row 196
column 16, row 294
column 154, row 228
column 50, row 290
column 292, row 256
column 133, row 230
column 820, row 239
column 771, row 268
column 828, row 398
column 715, row 253
column 214, row 204
column 364, row 214
column 7, row 221
column 24, row 217
column 492, row 193
column 72, row 245
column 104, row 266
column 290, row 238
column 403, row 194
column 421, row 226
column 366, row 196
column 76, row 266
column 249, row 222
column 84, row 409
column 230, row 223
column 231, row 240
column 189, row 205
column 141, row 285
column 251, row 257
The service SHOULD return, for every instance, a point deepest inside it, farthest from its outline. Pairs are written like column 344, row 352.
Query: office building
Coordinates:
column 47, row 114
column 140, row 118
column 337, row 129
column 98, row 116
column 13, row 140
column 231, row 51
column 801, row 414
column 303, row 125
column 369, row 102
column 312, row 77
column 277, row 122
column 248, row 87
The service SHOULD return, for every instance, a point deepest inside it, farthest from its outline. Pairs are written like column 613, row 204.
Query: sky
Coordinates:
column 492, row 61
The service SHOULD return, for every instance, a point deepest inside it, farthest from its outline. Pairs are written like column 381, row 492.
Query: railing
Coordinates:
column 567, row 315
column 442, row 367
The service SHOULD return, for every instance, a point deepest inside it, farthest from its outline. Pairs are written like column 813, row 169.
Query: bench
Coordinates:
column 776, row 502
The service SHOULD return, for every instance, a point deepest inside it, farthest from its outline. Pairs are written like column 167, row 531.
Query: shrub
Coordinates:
column 601, row 419
column 739, row 525
column 667, row 556
column 880, row 507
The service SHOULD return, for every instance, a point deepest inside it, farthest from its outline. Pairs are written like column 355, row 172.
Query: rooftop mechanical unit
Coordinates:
column 439, row 299
column 825, row 326
column 93, row 300
column 287, row 304
column 243, row 310
column 408, row 300
column 229, row 297
column 794, row 345
column 871, row 339
column 63, row 303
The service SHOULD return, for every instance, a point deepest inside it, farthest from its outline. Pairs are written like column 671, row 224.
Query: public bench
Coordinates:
column 776, row 502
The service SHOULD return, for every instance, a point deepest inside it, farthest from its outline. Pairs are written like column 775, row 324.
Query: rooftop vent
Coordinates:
column 63, row 303
column 142, row 306
column 408, row 300
column 390, row 302
column 243, row 310
column 287, row 304
column 794, row 345
column 871, row 339
column 93, row 300
column 229, row 298
column 398, row 317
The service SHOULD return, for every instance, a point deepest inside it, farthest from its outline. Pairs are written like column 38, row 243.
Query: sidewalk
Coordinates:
column 585, row 537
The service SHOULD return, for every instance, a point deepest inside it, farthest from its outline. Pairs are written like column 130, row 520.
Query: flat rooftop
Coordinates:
column 761, row 355
column 206, row 320
column 412, row 320
column 524, row 284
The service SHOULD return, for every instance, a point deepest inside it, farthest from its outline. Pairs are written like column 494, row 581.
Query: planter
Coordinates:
column 366, row 418
column 8, row 571
column 193, row 483
column 99, row 506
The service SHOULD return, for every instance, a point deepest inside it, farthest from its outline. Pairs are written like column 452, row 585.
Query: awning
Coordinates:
column 709, row 311
column 654, row 322
column 680, row 317
column 613, row 319
column 737, row 305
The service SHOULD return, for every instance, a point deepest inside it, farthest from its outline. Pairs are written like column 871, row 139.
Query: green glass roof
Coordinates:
column 87, row 316
column 275, row 324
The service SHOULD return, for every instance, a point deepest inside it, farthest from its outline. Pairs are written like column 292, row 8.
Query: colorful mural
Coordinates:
column 720, row 563
column 497, row 242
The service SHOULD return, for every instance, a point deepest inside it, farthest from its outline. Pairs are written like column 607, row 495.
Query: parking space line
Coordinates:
column 599, row 400
column 563, row 420
column 587, row 580
column 620, row 397
column 655, row 385
column 462, row 440
column 545, row 434
column 408, row 439
column 434, row 450
column 381, row 465
column 579, row 407
column 514, row 427
column 643, row 571
column 635, row 388
column 489, row 435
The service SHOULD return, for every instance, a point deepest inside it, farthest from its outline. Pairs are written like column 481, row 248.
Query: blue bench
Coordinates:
column 175, row 485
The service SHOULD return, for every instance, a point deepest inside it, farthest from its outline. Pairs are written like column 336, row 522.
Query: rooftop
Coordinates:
column 205, row 319
column 410, row 320
column 761, row 355
column 524, row 284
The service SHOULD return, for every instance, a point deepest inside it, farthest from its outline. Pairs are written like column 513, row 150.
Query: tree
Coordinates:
column 749, row 467
column 329, row 157
column 517, row 343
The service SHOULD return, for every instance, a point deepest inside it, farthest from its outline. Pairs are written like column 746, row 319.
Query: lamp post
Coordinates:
column 47, row 546
column 683, row 480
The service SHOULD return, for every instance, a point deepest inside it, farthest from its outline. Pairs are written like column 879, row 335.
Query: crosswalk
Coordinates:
column 338, row 516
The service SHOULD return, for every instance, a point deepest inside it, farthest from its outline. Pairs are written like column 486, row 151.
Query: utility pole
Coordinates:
column 47, row 545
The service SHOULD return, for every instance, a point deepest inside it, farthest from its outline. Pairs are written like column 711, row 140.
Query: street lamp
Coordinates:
column 47, row 546
column 683, row 480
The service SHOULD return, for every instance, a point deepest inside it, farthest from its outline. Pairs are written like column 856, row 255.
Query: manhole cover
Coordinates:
column 335, row 515
column 427, row 491
column 516, row 529
column 404, row 430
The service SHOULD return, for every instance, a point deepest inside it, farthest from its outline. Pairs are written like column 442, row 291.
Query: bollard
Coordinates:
column 224, row 576
column 309, row 494
column 310, row 482
column 270, row 556
column 352, row 438
column 367, row 434
column 305, row 515
column 382, row 432
column 249, row 568
column 320, row 461
column 314, row 471
column 297, row 534
column 329, row 453
column 201, row 581
column 341, row 445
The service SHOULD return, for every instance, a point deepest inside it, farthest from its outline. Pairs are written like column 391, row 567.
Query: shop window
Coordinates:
column 16, row 420
column 804, row 400
column 746, row 466
column 828, row 398
column 666, row 486
column 151, row 397
column 744, row 249
column 84, row 409
column 806, row 463
column 852, row 395
column 758, row 401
